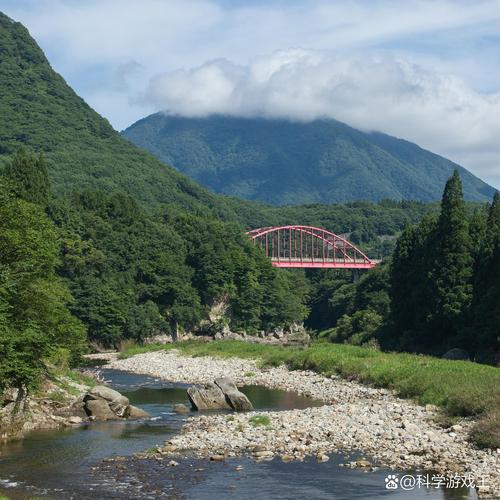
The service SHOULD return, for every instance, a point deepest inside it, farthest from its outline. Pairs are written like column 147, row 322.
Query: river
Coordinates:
column 74, row 463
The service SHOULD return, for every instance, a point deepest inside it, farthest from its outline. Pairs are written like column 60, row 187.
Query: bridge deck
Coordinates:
column 323, row 263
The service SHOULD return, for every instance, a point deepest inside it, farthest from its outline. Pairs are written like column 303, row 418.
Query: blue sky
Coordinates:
column 424, row 70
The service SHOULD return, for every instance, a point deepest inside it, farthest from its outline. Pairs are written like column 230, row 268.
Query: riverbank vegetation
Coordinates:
column 460, row 388
column 439, row 291
column 35, row 320
column 98, row 263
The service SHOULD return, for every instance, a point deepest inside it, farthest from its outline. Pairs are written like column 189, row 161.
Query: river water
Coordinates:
column 75, row 463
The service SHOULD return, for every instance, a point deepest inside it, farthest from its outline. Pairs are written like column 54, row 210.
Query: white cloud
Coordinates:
column 434, row 78
column 438, row 111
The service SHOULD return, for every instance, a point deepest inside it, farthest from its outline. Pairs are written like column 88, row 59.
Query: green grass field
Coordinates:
column 461, row 388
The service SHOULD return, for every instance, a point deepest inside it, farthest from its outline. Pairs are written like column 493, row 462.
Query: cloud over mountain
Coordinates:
column 429, row 70
column 436, row 110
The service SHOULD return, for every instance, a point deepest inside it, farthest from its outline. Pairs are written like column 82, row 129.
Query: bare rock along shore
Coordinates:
column 394, row 432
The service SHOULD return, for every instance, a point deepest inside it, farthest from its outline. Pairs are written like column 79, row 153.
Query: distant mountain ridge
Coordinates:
column 283, row 162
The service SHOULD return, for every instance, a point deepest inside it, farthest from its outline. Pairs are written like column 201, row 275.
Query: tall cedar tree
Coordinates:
column 485, row 328
column 411, row 286
column 453, row 265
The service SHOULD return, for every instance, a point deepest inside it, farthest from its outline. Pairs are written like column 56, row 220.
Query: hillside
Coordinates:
column 84, row 152
column 81, row 148
column 127, row 247
column 282, row 162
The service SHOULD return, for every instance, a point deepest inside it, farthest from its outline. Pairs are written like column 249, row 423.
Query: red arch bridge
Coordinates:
column 309, row 247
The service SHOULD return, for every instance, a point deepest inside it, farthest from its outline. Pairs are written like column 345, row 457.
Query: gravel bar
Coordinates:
column 394, row 432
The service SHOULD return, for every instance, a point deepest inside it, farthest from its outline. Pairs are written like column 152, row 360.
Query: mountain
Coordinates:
column 284, row 162
column 125, row 269
column 41, row 112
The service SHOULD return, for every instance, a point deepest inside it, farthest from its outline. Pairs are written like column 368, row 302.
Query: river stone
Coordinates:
column 99, row 409
column 77, row 409
column 234, row 397
column 135, row 412
column 117, row 402
column 363, row 463
column 181, row 408
column 208, row 397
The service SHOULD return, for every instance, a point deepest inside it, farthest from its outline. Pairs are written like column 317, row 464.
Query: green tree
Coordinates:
column 144, row 321
column 34, row 318
column 411, row 287
column 28, row 176
column 357, row 329
column 246, row 306
column 485, row 327
column 331, row 296
column 453, row 265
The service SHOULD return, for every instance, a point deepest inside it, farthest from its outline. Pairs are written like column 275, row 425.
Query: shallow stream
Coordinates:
column 69, row 463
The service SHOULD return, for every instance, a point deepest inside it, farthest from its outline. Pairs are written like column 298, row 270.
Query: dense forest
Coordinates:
column 439, row 290
column 279, row 161
column 121, row 272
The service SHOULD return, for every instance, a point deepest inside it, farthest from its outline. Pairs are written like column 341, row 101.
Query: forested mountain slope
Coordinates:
column 82, row 151
column 137, row 247
column 283, row 162
column 40, row 111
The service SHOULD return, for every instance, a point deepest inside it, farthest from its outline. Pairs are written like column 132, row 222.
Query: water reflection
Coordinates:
column 275, row 399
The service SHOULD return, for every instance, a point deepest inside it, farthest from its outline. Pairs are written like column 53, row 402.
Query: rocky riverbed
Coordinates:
column 393, row 432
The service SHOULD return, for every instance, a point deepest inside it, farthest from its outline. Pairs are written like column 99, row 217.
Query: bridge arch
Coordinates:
column 308, row 247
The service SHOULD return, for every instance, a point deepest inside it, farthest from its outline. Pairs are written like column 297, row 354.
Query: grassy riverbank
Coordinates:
column 461, row 388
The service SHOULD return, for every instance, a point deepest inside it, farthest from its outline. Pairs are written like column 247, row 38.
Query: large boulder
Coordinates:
column 221, row 395
column 99, row 409
column 104, row 403
column 136, row 413
column 236, row 399
column 77, row 409
column 117, row 402
column 208, row 397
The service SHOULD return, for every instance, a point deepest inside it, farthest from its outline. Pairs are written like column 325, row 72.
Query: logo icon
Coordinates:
column 391, row 482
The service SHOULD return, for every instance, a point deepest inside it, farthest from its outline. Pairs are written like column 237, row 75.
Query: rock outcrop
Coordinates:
column 295, row 335
column 117, row 402
column 99, row 409
column 236, row 399
column 222, row 394
column 136, row 413
column 207, row 397
column 104, row 403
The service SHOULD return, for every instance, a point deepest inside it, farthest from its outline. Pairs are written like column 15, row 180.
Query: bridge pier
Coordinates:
column 356, row 274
